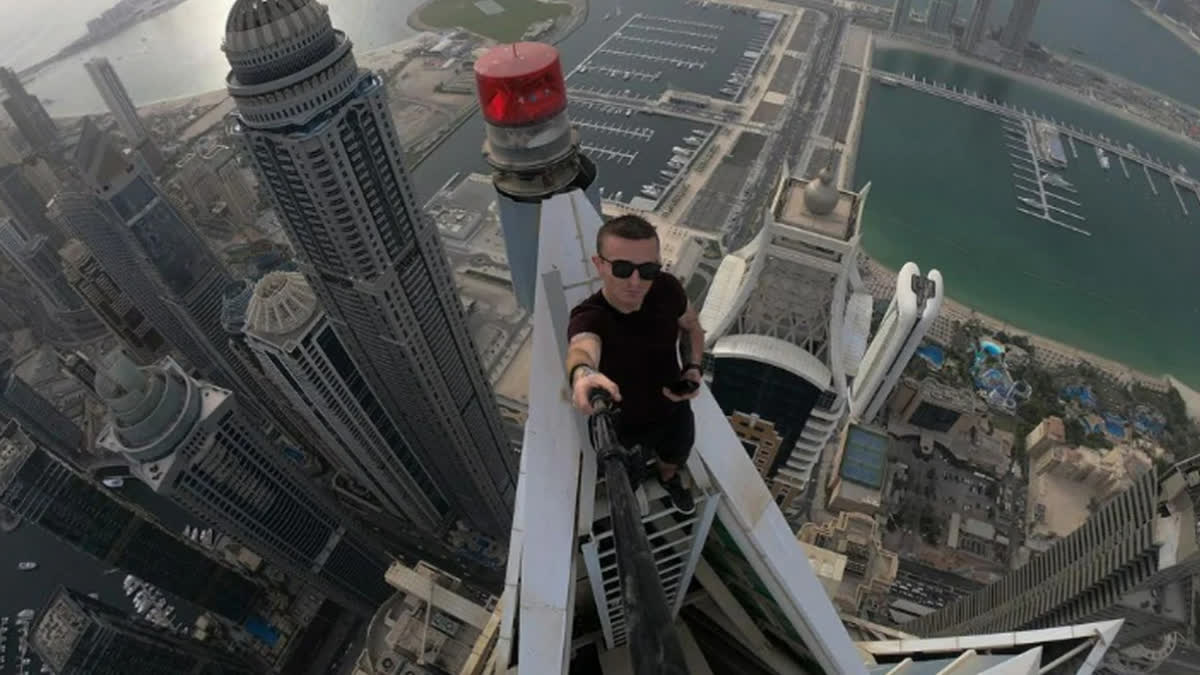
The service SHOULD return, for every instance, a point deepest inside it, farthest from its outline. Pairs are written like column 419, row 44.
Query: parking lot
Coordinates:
column 715, row 200
column 708, row 49
column 940, row 487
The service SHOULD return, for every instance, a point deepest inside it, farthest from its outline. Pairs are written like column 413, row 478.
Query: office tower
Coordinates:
column 786, row 322
column 27, row 113
column 38, row 263
column 320, row 135
column 976, row 26
column 1134, row 559
column 8, row 152
column 45, row 489
column 27, row 206
column 104, row 76
column 1019, row 28
column 193, row 443
column 941, row 15
column 303, row 355
column 116, row 309
column 76, row 635
column 156, row 257
column 911, row 313
column 41, row 420
column 900, row 14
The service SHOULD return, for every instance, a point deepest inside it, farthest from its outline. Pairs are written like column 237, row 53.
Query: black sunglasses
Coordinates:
column 623, row 269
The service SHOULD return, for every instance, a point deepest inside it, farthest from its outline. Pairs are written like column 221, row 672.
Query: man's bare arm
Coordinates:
column 691, row 336
column 584, row 350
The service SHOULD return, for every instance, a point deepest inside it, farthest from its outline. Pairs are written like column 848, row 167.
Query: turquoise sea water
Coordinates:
column 943, row 196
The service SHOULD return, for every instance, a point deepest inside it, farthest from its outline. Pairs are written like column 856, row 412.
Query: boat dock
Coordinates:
column 1071, row 133
column 1033, row 197
column 1124, row 167
column 611, row 154
column 1179, row 197
column 639, row 133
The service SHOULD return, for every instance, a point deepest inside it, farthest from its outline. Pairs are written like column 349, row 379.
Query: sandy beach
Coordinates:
column 884, row 41
column 881, row 280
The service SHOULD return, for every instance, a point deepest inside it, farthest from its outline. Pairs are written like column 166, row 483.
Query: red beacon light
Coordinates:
column 520, row 84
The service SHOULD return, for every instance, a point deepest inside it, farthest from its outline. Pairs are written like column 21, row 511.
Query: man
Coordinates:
column 623, row 339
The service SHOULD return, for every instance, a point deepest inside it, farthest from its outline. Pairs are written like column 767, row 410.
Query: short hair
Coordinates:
column 631, row 227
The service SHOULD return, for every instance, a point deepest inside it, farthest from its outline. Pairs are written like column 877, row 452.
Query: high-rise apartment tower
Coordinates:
column 1134, row 559
column 112, row 90
column 320, row 135
column 76, row 635
column 191, row 441
column 27, row 113
column 47, row 491
column 1019, row 28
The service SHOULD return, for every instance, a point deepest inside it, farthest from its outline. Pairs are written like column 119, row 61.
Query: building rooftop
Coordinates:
column 796, row 202
column 865, row 456
column 282, row 305
column 946, row 396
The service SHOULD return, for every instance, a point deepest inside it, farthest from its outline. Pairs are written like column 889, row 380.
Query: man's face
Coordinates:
column 632, row 290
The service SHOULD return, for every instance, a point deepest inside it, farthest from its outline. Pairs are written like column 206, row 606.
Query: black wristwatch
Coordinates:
column 690, row 366
column 571, row 375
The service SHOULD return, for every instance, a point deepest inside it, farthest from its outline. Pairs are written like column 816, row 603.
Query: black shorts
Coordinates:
column 671, row 438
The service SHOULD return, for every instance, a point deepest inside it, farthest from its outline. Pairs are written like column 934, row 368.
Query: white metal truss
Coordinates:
column 676, row 542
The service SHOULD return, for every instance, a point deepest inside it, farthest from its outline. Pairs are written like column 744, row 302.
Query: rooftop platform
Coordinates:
column 792, row 209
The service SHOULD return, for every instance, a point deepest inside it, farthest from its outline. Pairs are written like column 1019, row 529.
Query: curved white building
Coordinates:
column 320, row 135
column 908, row 318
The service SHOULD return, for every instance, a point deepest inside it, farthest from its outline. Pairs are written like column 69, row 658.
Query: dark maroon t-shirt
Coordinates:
column 637, row 350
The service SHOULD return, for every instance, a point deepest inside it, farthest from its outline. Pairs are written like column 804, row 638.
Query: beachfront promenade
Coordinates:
column 1070, row 131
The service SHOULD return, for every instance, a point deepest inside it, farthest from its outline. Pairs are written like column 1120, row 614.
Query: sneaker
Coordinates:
column 681, row 497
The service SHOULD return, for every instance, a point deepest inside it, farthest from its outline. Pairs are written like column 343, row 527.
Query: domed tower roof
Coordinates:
column 282, row 303
column 252, row 14
column 820, row 195
column 267, row 40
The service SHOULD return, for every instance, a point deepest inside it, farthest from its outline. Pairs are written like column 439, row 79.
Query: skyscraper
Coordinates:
column 41, row 421
column 322, row 140
column 900, row 13
column 976, row 26
column 114, row 307
column 26, row 205
column 157, row 258
column 941, row 15
column 911, row 313
column 1134, row 559
column 28, row 113
column 787, row 321
column 104, row 76
column 76, row 635
column 1019, row 28
column 191, row 441
column 47, row 491
column 303, row 356
column 38, row 263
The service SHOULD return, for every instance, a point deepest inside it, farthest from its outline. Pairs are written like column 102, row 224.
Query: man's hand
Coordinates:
column 690, row 374
column 583, row 386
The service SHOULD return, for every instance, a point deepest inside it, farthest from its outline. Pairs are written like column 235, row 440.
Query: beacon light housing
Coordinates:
column 520, row 84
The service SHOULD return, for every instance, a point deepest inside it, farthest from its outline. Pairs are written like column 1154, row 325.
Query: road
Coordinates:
column 790, row 135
